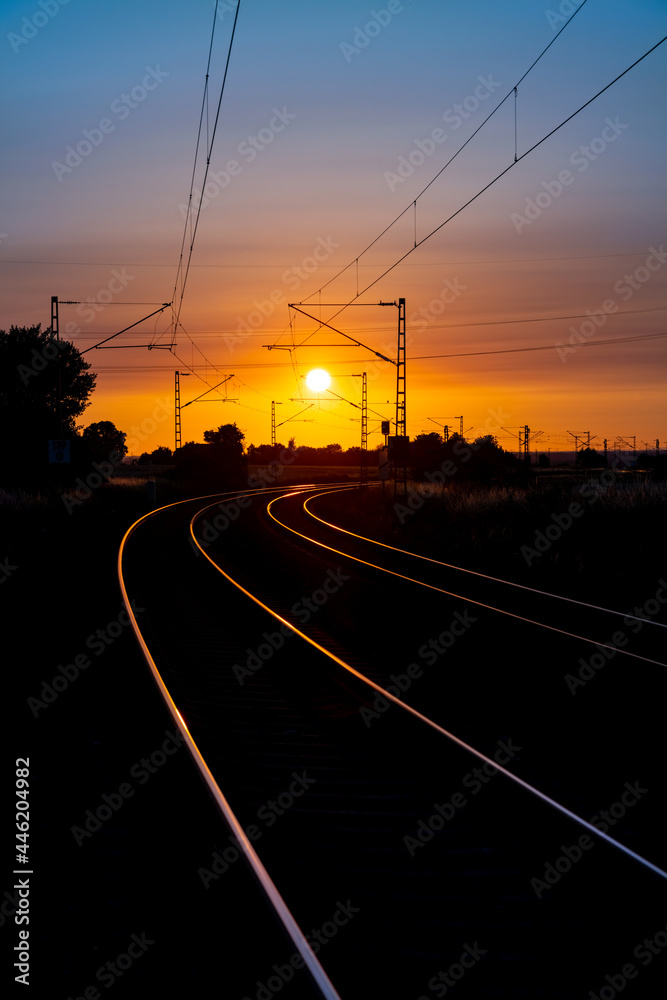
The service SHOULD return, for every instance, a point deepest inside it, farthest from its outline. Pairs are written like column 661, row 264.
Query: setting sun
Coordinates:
column 318, row 380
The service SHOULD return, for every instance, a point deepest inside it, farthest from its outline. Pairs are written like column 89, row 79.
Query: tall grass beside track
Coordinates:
column 614, row 548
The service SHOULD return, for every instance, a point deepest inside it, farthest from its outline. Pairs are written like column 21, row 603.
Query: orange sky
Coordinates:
column 341, row 148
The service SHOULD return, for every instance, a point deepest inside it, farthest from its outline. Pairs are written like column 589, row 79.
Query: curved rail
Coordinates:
column 408, row 708
column 462, row 569
column 450, row 593
column 316, row 970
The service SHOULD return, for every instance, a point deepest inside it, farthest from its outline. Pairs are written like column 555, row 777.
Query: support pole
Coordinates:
column 273, row 423
column 401, row 469
column 55, row 333
column 177, row 410
column 364, row 429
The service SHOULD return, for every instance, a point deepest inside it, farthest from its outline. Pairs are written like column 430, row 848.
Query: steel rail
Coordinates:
column 461, row 597
column 281, row 909
column 472, row 572
column 563, row 810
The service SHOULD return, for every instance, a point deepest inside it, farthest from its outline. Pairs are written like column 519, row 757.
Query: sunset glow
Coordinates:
column 318, row 197
column 318, row 380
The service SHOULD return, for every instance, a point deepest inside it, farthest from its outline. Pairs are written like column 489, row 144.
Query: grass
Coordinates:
column 616, row 546
column 614, row 552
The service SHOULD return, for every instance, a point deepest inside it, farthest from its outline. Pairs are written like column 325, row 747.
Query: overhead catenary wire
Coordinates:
column 547, row 347
column 209, row 149
column 486, row 187
column 441, row 326
column 464, row 354
column 502, row 173
column 453, row 157
column 438, row 263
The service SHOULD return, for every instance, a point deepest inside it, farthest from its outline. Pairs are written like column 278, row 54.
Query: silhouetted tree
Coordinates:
column 426, row 454
column 103, row 440
column 489, row 460
column 44, row 386
column 219, row 462
column 228, row 435
column 262, row 454
column 159, row 456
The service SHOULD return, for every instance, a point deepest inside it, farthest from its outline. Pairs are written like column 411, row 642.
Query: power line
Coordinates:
column 513, row 164
column 209, row 150
column 434, row 263
column 548, row 347
column 549, row 319
column 486, row 186
column 452, row 158
column 508, row 168
column 212, row 334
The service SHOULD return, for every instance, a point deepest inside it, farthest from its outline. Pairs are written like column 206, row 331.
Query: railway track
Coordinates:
column 271, row 633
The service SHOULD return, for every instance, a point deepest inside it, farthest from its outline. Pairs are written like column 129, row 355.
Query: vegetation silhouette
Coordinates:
column 219, row 463
column 103, row 441
column 45, row 385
